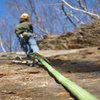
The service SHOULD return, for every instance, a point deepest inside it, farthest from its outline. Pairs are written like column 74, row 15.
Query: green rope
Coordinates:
column 77, row 91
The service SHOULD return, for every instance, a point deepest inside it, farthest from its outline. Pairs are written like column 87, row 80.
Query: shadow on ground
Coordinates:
column 75, row 65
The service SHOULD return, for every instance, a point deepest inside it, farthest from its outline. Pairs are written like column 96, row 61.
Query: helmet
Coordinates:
column 24, row 16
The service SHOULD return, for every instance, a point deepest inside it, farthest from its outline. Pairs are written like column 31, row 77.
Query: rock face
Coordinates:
column 86, row 36
column 22, row 82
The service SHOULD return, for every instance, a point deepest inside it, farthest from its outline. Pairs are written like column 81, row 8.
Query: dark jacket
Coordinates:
column 23, row 27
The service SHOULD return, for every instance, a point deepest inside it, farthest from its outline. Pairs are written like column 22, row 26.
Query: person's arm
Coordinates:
column 18, row 33
column 31, row 28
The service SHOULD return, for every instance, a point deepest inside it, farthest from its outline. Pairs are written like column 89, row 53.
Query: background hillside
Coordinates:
column 85, row 36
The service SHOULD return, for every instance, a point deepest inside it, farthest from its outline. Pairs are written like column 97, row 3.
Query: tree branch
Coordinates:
column 79, row 21
column 81, row 5
column 3, row 49
column 80, row 10
column 67, row 15
column 38, row 19
column 42, row 30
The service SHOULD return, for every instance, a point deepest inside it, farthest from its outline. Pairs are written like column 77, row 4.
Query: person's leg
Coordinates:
column 33, row 45
column 25, row 46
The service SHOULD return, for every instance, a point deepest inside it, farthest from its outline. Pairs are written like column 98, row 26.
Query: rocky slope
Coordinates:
column 22, row 82
column 86, row 36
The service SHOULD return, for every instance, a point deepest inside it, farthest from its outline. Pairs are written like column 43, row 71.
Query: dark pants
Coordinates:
column 29, row 44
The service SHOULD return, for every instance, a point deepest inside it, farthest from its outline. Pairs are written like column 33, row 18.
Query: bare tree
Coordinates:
column 2, row 47
column 81, row 5
column 83, row 10
column 7, row 37
column 68, row 16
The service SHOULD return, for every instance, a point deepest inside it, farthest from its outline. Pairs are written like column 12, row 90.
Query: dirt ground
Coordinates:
column 22, row 82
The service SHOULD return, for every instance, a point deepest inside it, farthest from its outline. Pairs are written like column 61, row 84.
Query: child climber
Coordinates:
column 24, row 32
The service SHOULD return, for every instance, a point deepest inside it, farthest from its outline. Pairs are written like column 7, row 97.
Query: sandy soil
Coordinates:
column 22, row 82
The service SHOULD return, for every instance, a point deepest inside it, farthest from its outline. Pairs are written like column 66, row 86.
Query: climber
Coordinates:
column 26, row 36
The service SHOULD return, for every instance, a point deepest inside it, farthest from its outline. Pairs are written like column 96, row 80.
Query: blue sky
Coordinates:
column 3, row 8
column 5, row 12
